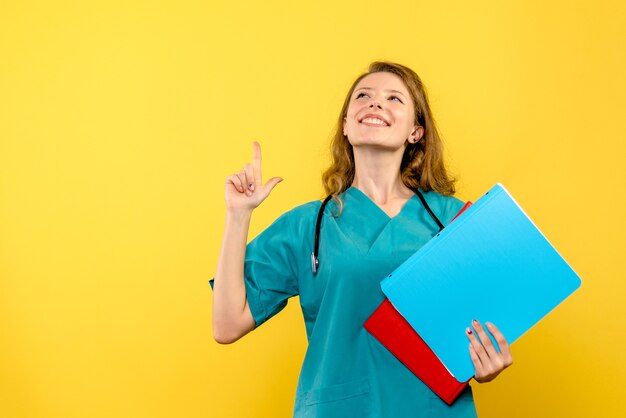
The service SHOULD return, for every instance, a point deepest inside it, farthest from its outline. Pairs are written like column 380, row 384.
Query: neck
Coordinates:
column 377, row 174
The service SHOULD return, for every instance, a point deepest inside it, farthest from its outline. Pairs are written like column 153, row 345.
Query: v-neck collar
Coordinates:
column 365, row 223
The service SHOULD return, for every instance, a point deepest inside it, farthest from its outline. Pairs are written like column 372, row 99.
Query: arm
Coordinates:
column 244, row 192
column 232, row 318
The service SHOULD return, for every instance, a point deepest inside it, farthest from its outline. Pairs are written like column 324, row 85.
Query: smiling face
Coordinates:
column 381, row 113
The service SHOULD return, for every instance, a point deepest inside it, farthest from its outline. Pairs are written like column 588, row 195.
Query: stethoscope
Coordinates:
column 315, row 261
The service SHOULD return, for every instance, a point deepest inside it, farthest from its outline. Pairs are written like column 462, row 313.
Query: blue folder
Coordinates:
column 491, row 264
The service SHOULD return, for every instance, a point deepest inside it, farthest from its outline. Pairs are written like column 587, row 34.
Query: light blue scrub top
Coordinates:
column 347, row 372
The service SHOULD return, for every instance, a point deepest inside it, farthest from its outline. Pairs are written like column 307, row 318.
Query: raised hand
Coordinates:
column 245, row 190
column 488, row 361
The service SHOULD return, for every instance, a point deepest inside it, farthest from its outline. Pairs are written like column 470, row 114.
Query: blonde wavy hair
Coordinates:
column 422, row 165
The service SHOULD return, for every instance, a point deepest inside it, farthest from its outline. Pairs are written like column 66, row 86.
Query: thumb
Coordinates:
column 271, row 183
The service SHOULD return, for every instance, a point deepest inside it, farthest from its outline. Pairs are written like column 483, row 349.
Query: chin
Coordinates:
column 370, row 139
column 377, row 144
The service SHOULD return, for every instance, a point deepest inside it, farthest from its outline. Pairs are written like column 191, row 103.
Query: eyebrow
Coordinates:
column 371, row 88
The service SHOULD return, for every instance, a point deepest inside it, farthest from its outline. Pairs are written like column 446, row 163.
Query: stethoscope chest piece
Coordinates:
column 315, row 263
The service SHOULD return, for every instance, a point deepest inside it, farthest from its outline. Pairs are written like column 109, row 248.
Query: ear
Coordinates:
column 344, row 127
column 416, row 135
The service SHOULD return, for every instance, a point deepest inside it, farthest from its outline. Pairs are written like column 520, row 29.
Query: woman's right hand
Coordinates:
column 245, row 190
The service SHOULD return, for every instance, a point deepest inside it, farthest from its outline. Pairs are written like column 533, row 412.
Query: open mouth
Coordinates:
column 374, row 121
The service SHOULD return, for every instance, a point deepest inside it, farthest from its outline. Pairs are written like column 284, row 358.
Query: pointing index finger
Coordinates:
column 256, row 163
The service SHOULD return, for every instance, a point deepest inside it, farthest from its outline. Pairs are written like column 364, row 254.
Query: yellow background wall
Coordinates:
column 119, row 121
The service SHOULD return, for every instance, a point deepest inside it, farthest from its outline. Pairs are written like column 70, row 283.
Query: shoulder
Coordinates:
column 290, row 232
column 305, row 210
column 304, row 214
column 301, row 217
column 445, row 207
column 286, row 232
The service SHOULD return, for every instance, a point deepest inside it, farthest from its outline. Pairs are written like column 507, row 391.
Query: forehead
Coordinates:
column 382, row 81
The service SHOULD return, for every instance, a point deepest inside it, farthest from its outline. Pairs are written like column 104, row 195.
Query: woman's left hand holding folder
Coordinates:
column 488, row 361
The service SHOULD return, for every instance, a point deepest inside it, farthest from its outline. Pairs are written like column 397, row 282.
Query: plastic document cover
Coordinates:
column 491, row 264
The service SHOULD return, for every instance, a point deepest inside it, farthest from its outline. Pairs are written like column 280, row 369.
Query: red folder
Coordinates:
column 394, row 332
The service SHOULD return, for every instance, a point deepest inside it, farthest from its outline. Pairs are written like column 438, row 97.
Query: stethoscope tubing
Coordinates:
column 315, row 262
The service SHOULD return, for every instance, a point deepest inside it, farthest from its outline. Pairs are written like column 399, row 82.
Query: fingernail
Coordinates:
column 474, row 322
column 251, row 186
column 468, row 330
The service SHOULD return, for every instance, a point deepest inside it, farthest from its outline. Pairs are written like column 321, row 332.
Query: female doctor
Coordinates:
column 387, row 156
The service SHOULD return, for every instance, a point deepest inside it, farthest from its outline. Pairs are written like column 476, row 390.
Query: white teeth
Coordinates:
column 374, row 121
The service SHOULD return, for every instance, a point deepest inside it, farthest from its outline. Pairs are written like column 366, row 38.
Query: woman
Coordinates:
column 385, row 150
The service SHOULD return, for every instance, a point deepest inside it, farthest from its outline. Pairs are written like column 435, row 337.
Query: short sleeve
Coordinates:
column 269, row 270
column 453, row 207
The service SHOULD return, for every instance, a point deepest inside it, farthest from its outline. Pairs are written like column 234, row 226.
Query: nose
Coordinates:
column 375, row 104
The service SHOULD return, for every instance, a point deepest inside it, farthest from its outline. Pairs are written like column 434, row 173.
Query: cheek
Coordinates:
column 404, row 117
column 350, row 119
column 351, row 112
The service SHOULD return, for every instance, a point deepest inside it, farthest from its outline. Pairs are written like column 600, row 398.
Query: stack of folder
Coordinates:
column 491, row 264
